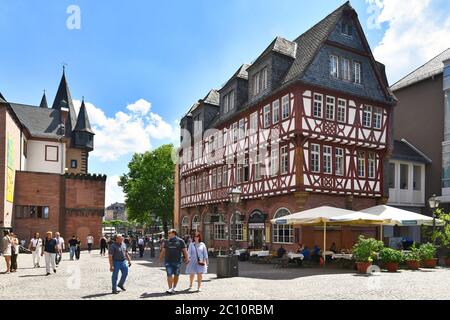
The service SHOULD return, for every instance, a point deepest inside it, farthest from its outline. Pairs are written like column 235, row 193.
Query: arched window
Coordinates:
column 184, row 226
column 282, row 233
column 219, row 228
column 239, row 226
column 196, row 223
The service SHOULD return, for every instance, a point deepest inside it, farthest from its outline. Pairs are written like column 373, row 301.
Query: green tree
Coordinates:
column 442, row 234
column 149, row 186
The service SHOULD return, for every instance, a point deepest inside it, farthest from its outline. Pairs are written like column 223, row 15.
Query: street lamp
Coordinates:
column 434, row 203
column 235, row 197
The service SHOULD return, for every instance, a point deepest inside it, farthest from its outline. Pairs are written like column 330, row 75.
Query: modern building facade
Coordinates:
column 422, row 117
column 307, row 124
column 44, row 168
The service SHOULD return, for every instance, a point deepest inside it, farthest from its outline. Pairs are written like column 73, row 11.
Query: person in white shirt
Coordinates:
column 90, row 242
column 61, row 247
column 141, row 245
column 36, row 247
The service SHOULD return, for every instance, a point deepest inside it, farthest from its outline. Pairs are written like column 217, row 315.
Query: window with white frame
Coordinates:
column 224, row 137
column 284, row 165
column 392, row 171
column 417, row 178
column 285, row 108
column 254, row 122
column 282, row 233
column 357, row 72
column 367, row 116
column 274, row 161
column 347, row 70
column 257, row 168
column 361, row 164
column 377, row 117
column 213, row 179
column 371, row 165
column 225, row 175
column 219, row 177
column 275, row 111
column 246, row 173
column 239, row 227
column 315, row 158
column 205, row 181
column 404, row 176
column 327, row 160
column 235, row 132
column 239, row 171
column 329, row 112
column 228, row 102
column 241, row 128
column 260, row 81
column 185, row 225
column 334, row 66
column 341, row 111
column 196, row 222
column 267, row 116
column 219, row 229
column 264, row 78
column 339, row 156
column 318, row 103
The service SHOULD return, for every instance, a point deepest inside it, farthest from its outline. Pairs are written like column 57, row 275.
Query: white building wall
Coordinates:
column 36, row 157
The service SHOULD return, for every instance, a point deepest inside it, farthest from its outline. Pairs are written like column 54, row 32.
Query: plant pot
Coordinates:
column 391, row 266
column 430, row 263
column 447, row 261
column 363, row 266
column 413, row 264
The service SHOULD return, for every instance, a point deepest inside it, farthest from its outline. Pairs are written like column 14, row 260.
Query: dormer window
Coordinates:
column 334, row 66
column 357, row 72
column 228, row 102
column 260, row 81
column 347, row 74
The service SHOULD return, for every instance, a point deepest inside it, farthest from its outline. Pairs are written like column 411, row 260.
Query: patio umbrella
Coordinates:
column 401, row 217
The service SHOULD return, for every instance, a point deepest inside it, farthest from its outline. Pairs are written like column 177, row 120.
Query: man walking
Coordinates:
column 103, row 245
column 171, row 253
column 90, row 242
column 36, row 247
column 141, row 244
column 117, row 255
column 73, row 247
column 50, row 249
column 61, row 247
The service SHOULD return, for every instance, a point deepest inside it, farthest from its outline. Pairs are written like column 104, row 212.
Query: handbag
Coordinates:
column 202, row 263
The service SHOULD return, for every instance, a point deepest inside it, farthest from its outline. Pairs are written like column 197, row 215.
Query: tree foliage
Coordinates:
column 149, row 186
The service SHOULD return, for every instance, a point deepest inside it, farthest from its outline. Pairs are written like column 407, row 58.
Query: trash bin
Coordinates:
column 223, row 266
column 227, row 266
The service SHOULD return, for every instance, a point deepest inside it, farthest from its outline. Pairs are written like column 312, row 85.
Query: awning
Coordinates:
column 312, row 216
column 401, row 217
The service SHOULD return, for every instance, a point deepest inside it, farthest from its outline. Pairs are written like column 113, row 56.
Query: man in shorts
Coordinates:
column 171, row 252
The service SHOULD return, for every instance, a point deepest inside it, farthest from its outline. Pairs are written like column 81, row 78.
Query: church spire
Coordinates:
column 43, row 103
column 83, row 123
column 63, row 99
column 2, row 98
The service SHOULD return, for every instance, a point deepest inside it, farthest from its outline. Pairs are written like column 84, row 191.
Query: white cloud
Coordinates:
column 416, row 32
column 114, row 193
column 128, row 131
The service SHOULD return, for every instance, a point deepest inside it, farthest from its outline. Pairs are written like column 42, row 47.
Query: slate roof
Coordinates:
column 403, row 150
column 2, row 99
column 83, row 123
column 432, row 68
column 40, row 122
column 63, row 95
column 212, row 97
column 43, row 103
column 280, row 45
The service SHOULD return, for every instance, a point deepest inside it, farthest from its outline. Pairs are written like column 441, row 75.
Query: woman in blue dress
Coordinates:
column 198, row 260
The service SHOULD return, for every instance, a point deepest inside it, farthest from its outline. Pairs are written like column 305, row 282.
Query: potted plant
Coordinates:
column 447, row 260
column 413, row 258
column 364, row 251
column 427, row 253
column 391, row 259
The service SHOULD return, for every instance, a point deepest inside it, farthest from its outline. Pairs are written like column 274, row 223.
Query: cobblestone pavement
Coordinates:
column 89, row 278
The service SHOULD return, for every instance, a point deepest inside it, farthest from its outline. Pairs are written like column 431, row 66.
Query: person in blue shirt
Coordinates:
column 306, row 254
column 316, row 254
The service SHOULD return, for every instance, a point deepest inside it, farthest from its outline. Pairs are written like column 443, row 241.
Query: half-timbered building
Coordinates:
column 307, row 124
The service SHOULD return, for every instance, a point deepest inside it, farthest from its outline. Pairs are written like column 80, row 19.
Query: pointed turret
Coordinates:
column 83, row 136
column 44, row 103
column 2, row 98
column 63, row 99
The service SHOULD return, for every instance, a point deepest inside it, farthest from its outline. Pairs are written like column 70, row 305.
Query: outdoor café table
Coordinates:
column 293, row 256
column 260, row 253
column 346, row 256
column 328, row 253
column 239, row 251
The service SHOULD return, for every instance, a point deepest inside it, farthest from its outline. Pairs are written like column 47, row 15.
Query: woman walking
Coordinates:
column 198, row 261
column 14, row 252
column 78, row 251
column 6, row 249
column 35, row 247
column 103, row 245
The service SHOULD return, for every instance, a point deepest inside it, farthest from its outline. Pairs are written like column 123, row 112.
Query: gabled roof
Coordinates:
column 40, row 122
column 83, row 123
column 43, row 103
column 213, row 97
column 403, row 150
column 241, row 73
column 280, row 45
column 63, row 97
column 432, row 68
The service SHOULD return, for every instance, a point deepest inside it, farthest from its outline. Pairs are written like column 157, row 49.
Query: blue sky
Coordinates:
column 128, row 54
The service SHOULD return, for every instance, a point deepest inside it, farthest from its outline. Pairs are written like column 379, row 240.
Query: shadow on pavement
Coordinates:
column 32, row 275
column 98, row 295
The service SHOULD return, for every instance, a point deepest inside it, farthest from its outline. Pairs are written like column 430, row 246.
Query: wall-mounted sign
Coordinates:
column 10, row 172
column 256, row 225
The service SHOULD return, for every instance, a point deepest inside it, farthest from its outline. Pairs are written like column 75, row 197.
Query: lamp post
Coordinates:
column 434, row 203
column 235, row 197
